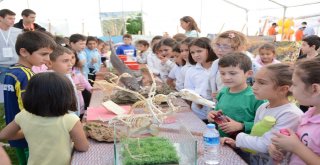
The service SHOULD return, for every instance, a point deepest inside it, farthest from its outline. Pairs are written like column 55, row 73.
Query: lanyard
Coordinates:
column 6, row 40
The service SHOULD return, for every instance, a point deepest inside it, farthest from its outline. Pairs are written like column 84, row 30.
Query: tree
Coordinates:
column 134, row 24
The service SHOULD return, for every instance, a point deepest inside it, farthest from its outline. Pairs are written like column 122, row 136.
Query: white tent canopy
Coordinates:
column 82, row 16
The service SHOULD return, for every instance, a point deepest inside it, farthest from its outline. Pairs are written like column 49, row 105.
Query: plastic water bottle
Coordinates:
column 211, row 142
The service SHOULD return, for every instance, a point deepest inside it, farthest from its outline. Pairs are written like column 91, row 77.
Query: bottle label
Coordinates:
column 211, row 140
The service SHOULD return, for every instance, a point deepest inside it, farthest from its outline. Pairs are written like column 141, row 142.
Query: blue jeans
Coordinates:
column 3, row 71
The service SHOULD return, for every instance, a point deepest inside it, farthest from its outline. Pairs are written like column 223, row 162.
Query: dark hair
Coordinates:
column 188, row 40
column 193, row 25
column 143, row 42
column 49, row 94
column 304, row 23
column 59, row 51
column 281, row 74
column 202, row 42
column 33, row 41
column 127, row 36
column 274, row 24
column 60, row 41
column 169, row 42
column 5, row 12
column 179, row 37
column 268, row 46
column 236, row 59
column 156, row 47
column 74, row 38
column 308, row 70
column 91, row 38
column 156, row 38
column 312, row 40
column 27, row 12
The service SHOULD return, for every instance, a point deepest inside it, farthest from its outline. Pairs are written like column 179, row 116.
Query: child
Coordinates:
column 77, row 44
column 197, row 77
column 80, row 82
column 185, row 53
column 127, row 48
column 309, row 47
column 304, row 144
column 175, row 80
column 272, row 83
column 93, row 57
column 45, row 123
column 190, row 26
column 236, row 100
column 143, row 53
column 267, row 55
column 227, row 42
column 166, row 56
column 153, row 61
column 33, row 49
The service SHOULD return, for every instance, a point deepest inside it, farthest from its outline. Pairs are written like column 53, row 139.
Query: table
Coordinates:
column 103, row 153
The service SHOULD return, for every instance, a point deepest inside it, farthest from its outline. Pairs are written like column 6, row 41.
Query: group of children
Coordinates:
column 217, row 70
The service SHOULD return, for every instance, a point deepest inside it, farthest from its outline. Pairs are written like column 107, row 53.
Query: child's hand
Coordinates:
column 227, row 140
column 214, row 95
column 231, row 126
column 287, row 143
column 199, row 106
column 80, row 87
column 211, row 115
column 275, row 154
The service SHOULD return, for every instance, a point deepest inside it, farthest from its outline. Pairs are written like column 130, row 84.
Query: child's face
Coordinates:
column 266, row 56
column 62, row 64
column 305, row 48
column 38, row 57
column 105, row 49
column 166, row 51
column 184, row 25
column 300, row 91
column 127, row 41
column 233, row 77
column 264, row 88
column 184, row 49
column 78, row 46
column 73, row 59
column 178, row 58
column 198, row 54
column 92, row 45
column 141, row 47
column 222, row 47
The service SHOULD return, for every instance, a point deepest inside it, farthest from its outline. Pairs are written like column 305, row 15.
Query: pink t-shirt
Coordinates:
column 309, row 134
column 78, row 78
column 39, row 69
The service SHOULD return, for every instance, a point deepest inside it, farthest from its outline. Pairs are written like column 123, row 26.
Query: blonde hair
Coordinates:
column 237, row 39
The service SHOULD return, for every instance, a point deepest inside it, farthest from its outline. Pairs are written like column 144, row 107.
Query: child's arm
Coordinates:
column 11, row 132
column 293, row 144
column 171, row 83
column 4, row 159
column 275, row 153
column 227, row 140
column 79, row 138
column 231, row 126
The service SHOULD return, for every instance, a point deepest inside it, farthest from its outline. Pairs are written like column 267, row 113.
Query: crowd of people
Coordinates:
column 46, row 88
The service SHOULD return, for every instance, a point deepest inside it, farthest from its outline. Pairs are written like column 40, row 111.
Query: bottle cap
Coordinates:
column 269, row 120
column 210, row 126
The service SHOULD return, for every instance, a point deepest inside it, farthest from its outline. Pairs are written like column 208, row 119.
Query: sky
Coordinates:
column 82, row 16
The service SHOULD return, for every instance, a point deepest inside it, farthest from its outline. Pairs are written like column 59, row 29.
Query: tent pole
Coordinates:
column 283, row 19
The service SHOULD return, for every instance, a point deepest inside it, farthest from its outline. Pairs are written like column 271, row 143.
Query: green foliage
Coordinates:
column 134, row 24
column 10, row 151
column 150, row 150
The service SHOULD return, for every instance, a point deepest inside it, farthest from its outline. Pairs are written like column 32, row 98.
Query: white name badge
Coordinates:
column 7, row 52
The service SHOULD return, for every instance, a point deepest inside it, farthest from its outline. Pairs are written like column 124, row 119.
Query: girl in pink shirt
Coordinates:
column 80, row 81
column 305, row 143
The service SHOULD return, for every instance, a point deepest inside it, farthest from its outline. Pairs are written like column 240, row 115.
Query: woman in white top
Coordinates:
column 190, row 26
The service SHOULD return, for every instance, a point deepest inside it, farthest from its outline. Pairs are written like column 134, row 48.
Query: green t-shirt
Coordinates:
column 240, row 107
